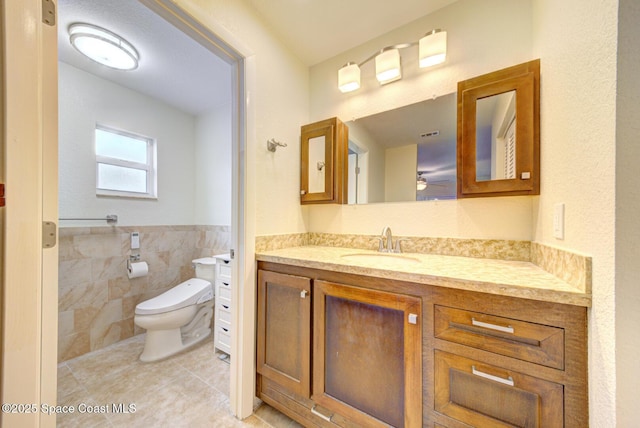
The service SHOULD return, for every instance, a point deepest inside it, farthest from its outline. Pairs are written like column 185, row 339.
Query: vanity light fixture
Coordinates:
column 388, row 65
column 432, row 50
column 103, row 46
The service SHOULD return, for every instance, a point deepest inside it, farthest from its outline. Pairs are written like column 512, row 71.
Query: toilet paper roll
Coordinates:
column 138, row 269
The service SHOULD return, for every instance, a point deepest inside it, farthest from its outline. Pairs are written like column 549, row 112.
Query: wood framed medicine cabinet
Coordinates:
column 498, row 141
column 323, row 156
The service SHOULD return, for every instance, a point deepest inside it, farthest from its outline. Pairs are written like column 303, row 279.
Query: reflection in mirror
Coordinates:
column 394, row 153
column 316, row 164
column 496, row 137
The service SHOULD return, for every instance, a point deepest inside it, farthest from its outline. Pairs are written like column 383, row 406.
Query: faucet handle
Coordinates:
column 398, row 247
column 381, row 248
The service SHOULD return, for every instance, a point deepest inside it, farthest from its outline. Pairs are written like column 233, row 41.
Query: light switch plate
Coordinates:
column 558, row 221
column 135, row 240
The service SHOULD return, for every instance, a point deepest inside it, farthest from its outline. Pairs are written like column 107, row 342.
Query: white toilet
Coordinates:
column 180, row 317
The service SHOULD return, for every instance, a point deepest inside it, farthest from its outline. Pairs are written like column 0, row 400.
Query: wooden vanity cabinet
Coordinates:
column 483, row 360
column 366, row 357
column 499, row 361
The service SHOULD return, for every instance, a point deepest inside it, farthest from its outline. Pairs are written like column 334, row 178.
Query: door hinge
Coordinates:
column 49, row 12
column 49, row 234
column 2, row 200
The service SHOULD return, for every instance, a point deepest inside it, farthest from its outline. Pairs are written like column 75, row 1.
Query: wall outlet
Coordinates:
column 558, row 221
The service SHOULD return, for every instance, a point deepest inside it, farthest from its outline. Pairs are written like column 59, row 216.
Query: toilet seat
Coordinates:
column 191, row 292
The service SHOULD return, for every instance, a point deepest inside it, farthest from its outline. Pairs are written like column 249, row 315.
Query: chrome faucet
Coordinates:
column 386, row 242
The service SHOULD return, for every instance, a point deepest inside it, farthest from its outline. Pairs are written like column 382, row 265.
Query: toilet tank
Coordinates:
column 205, row 269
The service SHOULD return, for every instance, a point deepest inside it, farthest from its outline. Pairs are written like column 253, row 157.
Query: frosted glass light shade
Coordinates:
column 388, row 66
column 433, row 48
column 349, row 78
column 103, row 46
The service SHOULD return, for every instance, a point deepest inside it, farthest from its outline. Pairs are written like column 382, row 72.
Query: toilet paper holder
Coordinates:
column 132, row 258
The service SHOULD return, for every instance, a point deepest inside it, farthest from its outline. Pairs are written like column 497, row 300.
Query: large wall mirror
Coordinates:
column 404, row 154
column 499, row 133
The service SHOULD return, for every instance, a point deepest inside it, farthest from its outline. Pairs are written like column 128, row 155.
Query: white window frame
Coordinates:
column 150, row 166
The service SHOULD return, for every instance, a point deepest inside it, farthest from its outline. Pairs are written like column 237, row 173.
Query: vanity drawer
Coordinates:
column 224, row 283
column 224, row 316
column 486, row 396
column 537, row 343
column 224, row 269
column 223, row 338
column 223, row 304
column 224, row 293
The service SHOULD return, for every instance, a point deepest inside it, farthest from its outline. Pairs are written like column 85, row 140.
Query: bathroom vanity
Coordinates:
column 358, row 338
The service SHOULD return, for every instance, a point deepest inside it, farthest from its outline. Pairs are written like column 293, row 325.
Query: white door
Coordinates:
column 29, row 272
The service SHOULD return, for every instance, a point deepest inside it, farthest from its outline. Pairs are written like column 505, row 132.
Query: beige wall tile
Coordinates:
column 93, row 276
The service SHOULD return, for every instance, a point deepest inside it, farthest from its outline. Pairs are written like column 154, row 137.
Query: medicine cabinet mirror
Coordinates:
column 498, row 133
column 323, row 155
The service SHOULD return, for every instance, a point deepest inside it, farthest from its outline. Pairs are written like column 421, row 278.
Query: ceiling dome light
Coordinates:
column 103, row 46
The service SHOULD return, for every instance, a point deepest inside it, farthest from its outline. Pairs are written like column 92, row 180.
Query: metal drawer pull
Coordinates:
column 507, row 381
column 507, row 329
column 303, row 294
column 320, row 415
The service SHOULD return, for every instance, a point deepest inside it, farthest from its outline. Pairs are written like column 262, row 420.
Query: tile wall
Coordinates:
column 96, row 299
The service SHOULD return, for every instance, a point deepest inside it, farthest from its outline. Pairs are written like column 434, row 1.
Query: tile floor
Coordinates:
column 187, row 390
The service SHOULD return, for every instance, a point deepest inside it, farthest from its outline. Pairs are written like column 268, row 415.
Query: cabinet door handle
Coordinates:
column 507, row 329
column 320, row 415
column 303, row 294
column 507, row 381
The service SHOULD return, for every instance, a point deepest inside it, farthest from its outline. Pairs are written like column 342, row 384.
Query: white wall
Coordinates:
column 213, row 166
column 476, row 45
column 86, row 100
column 627, row 209
column 578, row 146
column 400, row 166
column 281, row 105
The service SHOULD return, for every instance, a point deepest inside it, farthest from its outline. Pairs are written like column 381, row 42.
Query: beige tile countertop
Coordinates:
column 508, row 278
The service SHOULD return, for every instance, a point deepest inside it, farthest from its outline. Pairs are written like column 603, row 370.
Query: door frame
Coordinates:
column 243, row 295
column 29, row 271
column 29, row 277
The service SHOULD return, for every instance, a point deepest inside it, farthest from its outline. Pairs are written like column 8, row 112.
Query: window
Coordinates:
column 125, row 164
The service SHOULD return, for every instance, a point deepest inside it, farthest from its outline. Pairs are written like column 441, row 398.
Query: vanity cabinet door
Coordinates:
column 367, row 355
column 284, row 331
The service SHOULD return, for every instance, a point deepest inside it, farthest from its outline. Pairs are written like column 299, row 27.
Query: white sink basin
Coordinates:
column 386, row 258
